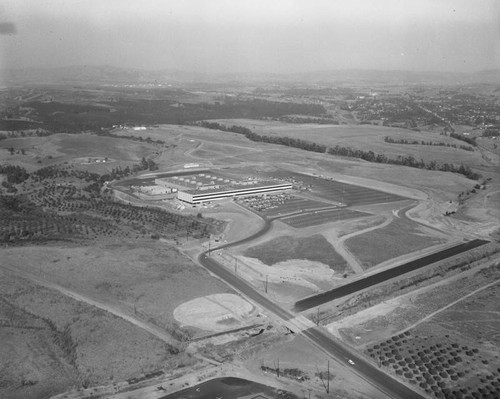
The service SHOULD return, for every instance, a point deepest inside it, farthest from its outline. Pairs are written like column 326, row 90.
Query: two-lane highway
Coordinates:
column 318, row 336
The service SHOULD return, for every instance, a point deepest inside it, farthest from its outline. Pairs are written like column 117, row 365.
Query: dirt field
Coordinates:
column 217, row 312
column 282, row 249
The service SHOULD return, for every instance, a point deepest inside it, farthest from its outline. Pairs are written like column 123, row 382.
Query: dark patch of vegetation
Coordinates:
column 59, row 117
column 468, row 140
column 86, row 211
column 415, row 142
column 15, row 174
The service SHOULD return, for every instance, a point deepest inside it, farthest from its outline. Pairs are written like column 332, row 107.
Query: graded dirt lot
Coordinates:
column 314, row 248
column 216, row 312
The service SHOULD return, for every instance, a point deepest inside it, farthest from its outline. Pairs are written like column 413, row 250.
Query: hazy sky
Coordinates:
column 252, row 35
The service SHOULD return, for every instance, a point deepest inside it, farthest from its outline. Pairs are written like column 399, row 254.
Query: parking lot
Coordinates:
column 315, row 218
column 332, row 190
column 281, row 204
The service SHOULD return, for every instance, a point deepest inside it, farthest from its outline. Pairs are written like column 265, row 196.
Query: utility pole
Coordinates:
column 266, row 284
column 208, row 247
column 317, row 317
column 328, row 378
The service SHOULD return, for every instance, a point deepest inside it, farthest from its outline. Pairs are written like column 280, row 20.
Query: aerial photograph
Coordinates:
column 250, row 199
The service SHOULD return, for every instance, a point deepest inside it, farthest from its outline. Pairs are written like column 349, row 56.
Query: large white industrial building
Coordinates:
column 204, row 186
column 198, row 196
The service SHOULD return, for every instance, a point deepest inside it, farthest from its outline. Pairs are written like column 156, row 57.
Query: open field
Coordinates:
column 58, row 148
column 148, row 281
column 435, row 183
column 315, row 248
column 400, row 237
column 367, row 138
column 52, row 342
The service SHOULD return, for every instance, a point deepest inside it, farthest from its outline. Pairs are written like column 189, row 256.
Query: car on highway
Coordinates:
column 350, row 362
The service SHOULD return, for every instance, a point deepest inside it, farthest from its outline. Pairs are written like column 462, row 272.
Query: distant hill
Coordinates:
column 85, row 74
column 115, row 75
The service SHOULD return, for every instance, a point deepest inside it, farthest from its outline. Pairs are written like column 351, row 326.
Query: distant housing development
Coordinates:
column 203, row 187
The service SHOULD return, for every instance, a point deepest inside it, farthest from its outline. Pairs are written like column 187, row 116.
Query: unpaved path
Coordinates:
column 430, row 316
column 151, row 328
column 332, row 237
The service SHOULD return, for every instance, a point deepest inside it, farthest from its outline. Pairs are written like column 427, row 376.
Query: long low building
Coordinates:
column 198, row 196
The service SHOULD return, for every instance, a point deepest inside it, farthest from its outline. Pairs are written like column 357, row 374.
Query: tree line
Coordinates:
column 349, row 152
column 468, row 140
column 422, row 142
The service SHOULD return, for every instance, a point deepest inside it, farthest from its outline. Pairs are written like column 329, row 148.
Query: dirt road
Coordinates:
column 151, row 328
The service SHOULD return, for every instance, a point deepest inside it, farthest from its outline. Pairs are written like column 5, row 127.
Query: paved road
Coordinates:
column 362, row 367
column 385, row 275
column 317, row 336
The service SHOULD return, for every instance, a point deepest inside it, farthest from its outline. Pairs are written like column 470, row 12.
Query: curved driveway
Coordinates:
column 317, row 335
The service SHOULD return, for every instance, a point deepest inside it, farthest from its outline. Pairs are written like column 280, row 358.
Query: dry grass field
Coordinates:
column 59, row 148
column 148, row 280
column 366, row 138
column 400, row 237
column 51, row 342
